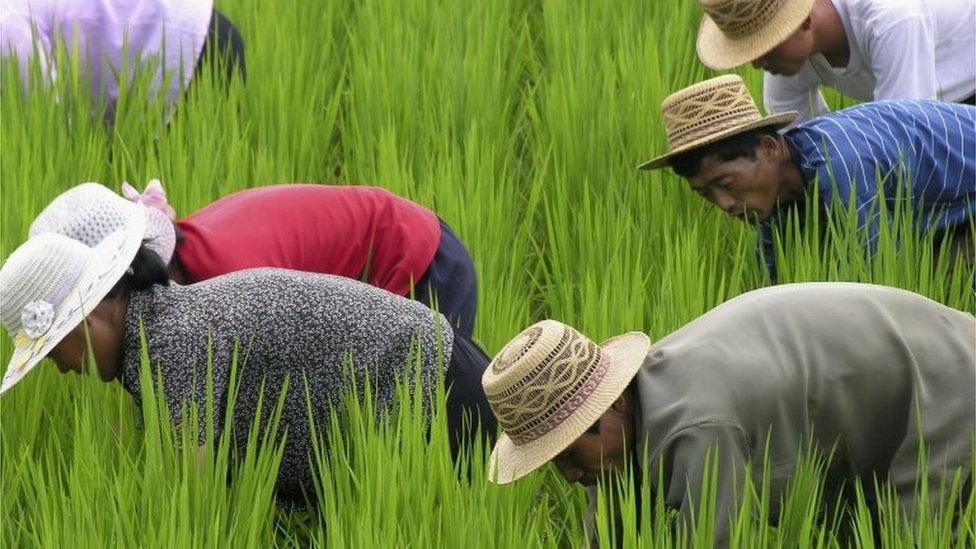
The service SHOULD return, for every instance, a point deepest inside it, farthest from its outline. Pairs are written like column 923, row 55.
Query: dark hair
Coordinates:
column 688, row 164
column 147, row 269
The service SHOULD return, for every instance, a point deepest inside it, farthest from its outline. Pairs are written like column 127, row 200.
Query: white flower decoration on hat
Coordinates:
column 36, row 318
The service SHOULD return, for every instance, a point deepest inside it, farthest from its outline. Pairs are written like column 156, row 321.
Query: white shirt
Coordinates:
column 899, row 49
column 170, row 30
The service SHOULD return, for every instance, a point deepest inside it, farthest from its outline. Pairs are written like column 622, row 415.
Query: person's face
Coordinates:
column 602, row 449
column 747, row 189
column 789, row 56
column 71, row 353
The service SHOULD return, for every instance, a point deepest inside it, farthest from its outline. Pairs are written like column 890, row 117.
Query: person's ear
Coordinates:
column 768, row 147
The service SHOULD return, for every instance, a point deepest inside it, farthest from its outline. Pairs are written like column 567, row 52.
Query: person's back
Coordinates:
column 920, row 153
column 283, row 324
column 365, row 233
column 927, row 147
column 171, row 32
column 854, row 365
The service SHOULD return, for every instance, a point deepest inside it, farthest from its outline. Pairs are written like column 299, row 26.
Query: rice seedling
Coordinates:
column 520, row 123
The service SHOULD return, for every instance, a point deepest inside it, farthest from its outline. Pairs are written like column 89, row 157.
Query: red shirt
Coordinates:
column 366, row 233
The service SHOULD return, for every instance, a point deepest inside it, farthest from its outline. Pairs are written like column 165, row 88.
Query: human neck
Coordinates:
column 829, row 36
column 793, row 186
column 106, row 324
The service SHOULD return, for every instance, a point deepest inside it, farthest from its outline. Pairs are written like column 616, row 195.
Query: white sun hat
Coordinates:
column 51, row 283
column 90, row 211
column 548, row 386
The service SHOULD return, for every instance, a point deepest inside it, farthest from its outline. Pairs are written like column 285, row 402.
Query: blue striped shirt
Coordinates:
column 863, row 152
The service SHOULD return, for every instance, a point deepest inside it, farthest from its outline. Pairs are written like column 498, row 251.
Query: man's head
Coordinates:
column 729, row 152
column 789, row 56
column 745, row 175
column 603, row 448
column 559, row 396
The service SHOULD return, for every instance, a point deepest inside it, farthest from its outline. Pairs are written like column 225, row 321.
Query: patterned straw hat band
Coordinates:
column 738, row 18
column 550, row 384
column 694, row 132
column 571, row 404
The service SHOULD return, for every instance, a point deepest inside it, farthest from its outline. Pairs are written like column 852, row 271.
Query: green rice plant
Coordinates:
column 520, row 123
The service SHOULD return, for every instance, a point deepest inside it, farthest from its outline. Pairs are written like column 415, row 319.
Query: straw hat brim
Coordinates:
column 719, row 52
column 510, row 462
column 777, row 120
column 106, row 265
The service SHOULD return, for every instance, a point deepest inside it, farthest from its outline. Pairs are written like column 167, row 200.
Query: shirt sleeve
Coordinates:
column 766, row 251
column 699, row 459
column 902, row 59
column 792, row 93
column 589, row 521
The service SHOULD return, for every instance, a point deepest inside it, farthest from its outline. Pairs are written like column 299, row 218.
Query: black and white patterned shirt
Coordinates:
column 281, row 324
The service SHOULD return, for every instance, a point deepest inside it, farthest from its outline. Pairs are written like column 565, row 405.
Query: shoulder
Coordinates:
column 876, row 14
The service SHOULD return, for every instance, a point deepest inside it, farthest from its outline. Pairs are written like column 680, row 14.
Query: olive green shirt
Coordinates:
column 860, row 369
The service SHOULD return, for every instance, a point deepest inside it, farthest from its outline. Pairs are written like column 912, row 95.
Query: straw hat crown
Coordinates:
column 709, row 111
column 707, row 107
column 90, row 211
column 541, row 377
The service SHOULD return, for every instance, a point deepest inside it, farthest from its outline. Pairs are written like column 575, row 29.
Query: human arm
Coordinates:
column 793, row 93
column 703, row 473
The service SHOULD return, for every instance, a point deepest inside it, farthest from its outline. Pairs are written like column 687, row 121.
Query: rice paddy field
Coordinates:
column 520, row 123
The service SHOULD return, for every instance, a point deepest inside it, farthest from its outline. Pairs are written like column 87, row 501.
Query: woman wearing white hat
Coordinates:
column 868, row 368
column 294, row 324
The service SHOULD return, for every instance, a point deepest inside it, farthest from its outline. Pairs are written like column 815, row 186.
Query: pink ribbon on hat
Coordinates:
column 152, row 197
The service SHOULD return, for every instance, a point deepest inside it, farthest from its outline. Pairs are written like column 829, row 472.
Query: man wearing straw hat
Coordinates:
column 867, row 157
column 770, row 373
column 867, row 49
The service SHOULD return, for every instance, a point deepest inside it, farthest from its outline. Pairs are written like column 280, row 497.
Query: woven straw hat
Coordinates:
column 548, row 386
column 52, row 282
column 710, row 111
column 89, row 212
column 734, row 32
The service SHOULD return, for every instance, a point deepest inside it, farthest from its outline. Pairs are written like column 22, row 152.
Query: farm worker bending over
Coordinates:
column 109, row 35
column 920, row 151
column 306, row 327
column 366, row 233
column 867, row 49
column 861, row 369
